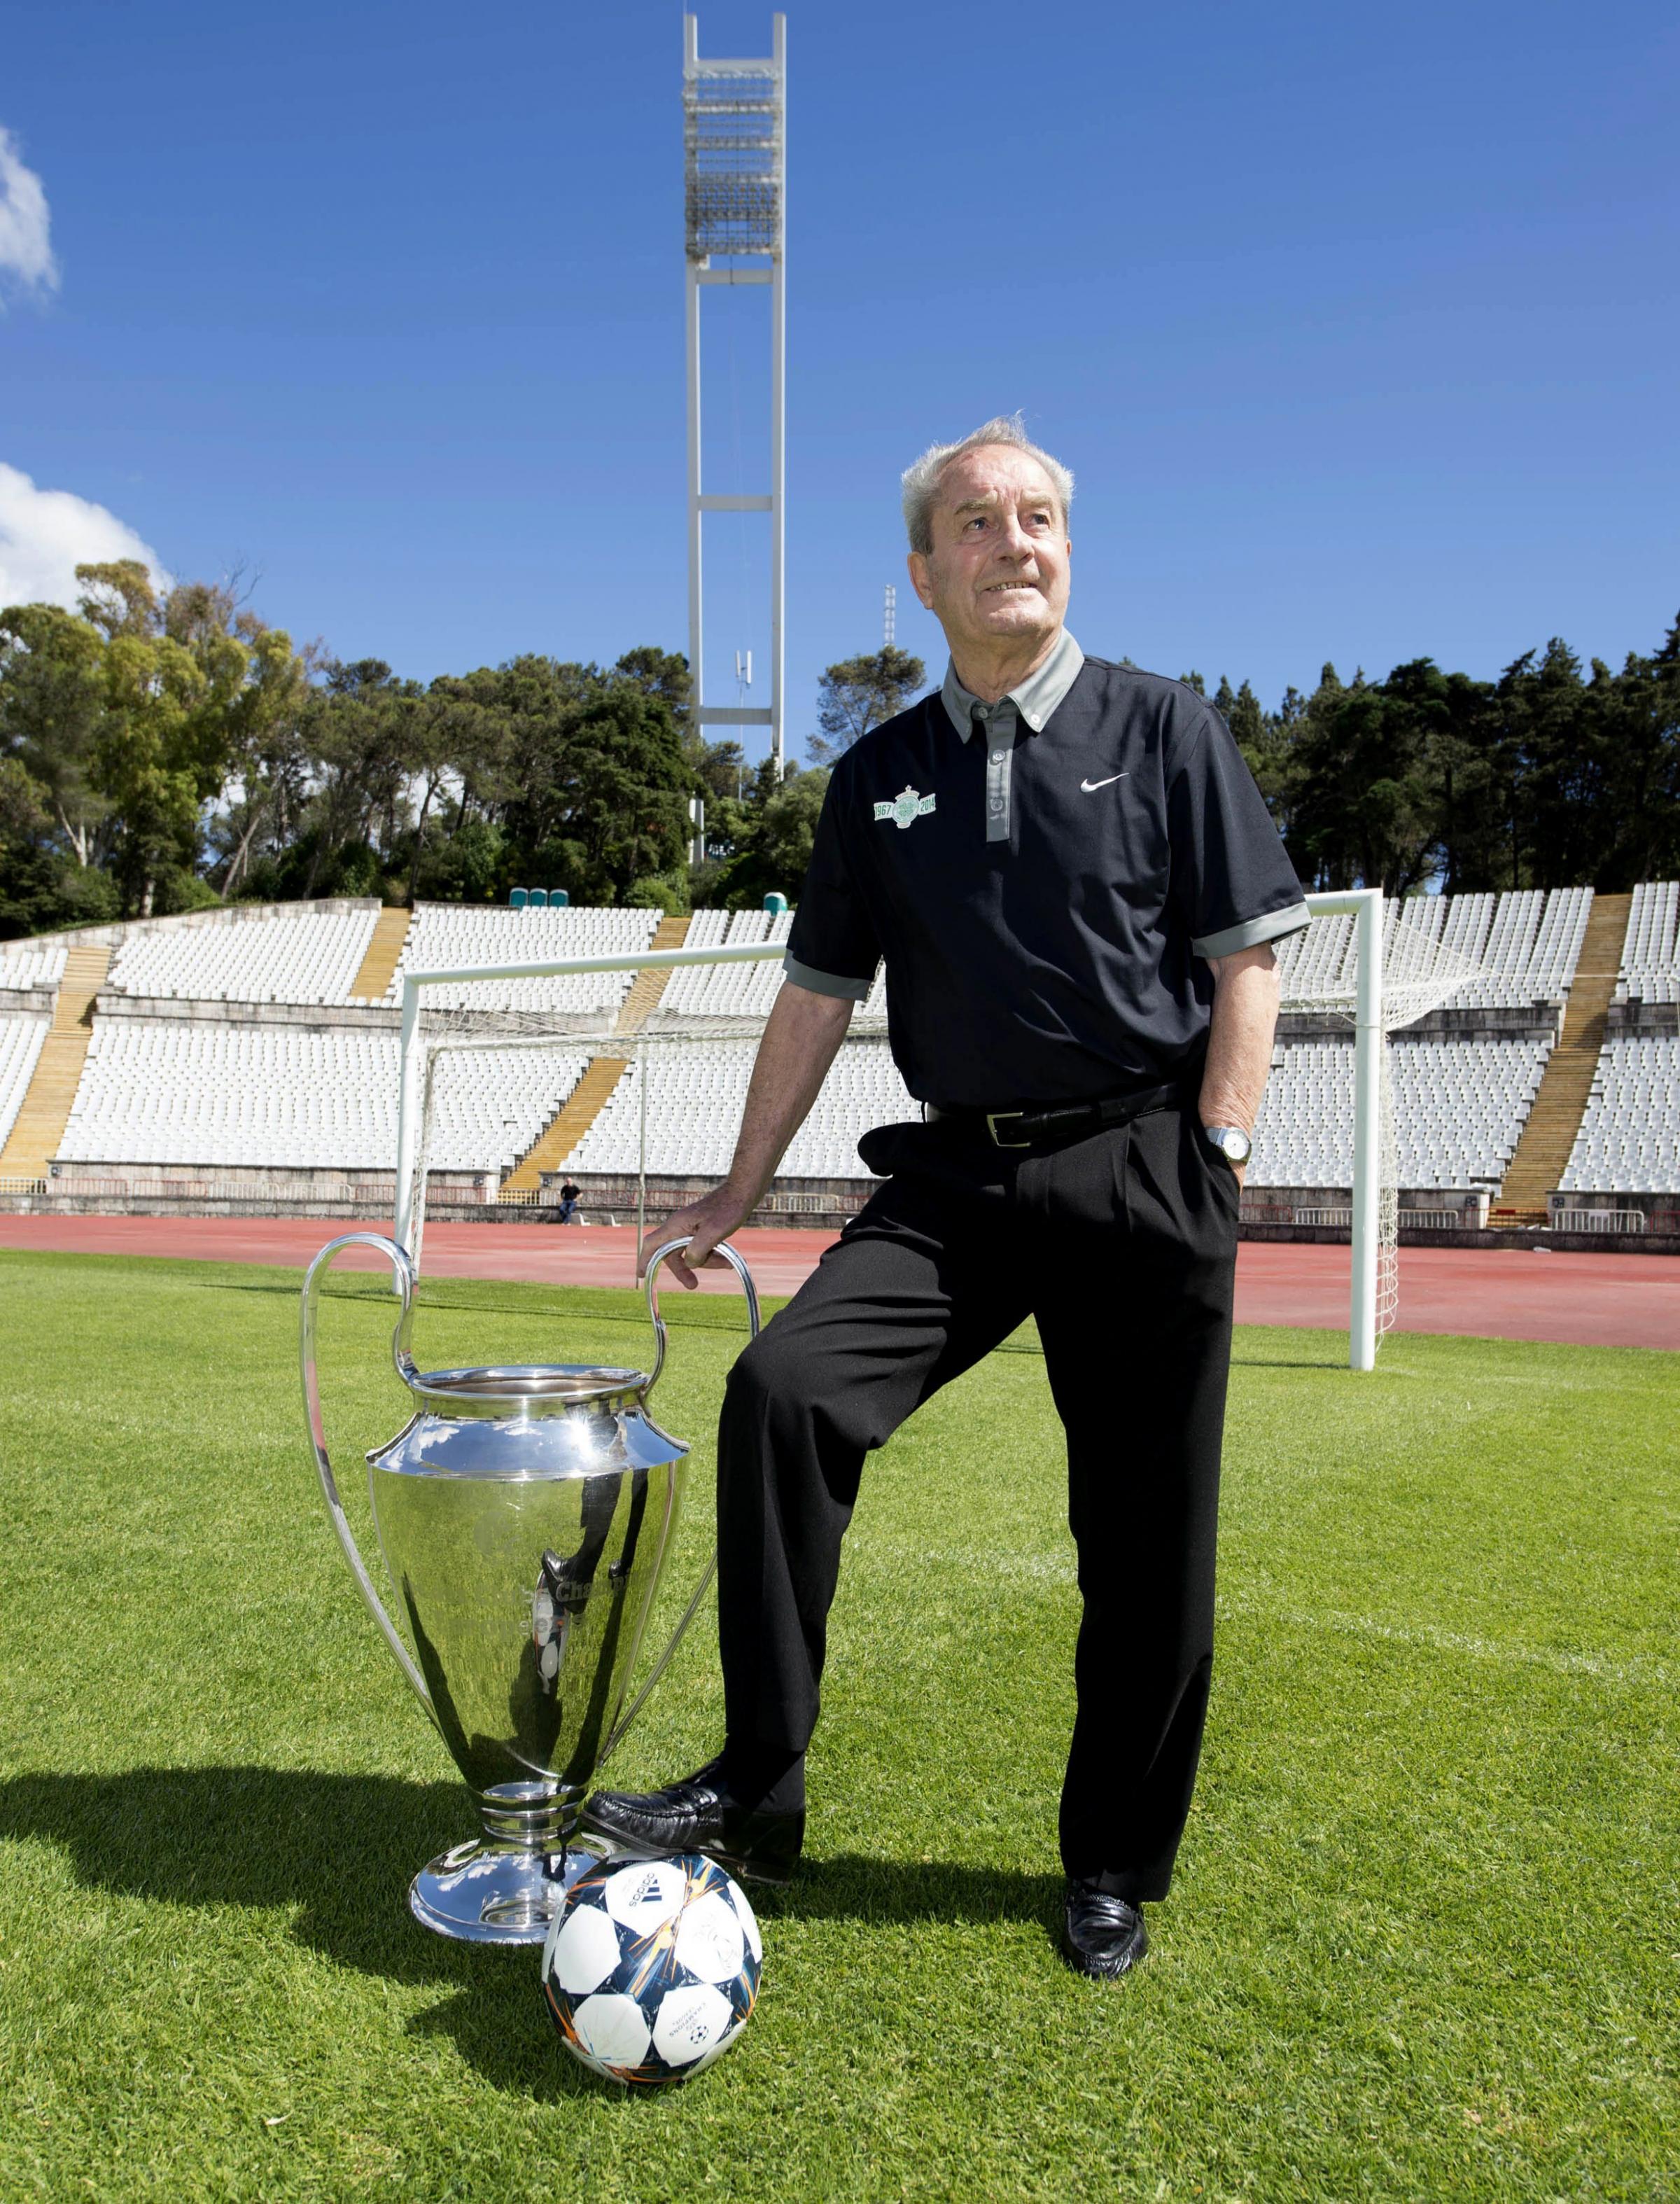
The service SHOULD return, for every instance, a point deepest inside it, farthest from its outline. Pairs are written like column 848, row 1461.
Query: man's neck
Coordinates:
column 992, row 675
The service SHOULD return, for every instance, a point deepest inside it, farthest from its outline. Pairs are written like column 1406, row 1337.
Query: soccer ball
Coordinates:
column 652, row 1966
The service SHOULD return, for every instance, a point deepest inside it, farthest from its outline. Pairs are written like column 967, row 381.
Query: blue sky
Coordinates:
column 1358, row 326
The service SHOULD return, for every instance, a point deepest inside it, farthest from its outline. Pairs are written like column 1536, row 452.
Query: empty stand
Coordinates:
column 1630, row 1137
column 695, row 1093
column 21, row 1040
column 1548, row 1137
column 445, row 936
column 1528, row 942
column 648, row 989
column 31, row 963
column 1650, row 960
column 39, row 1123
column 282, row 955
column 569, row 1127
column 725, row 990
column 1458, row 1108
column 1470, row 1110
column 171, row 1092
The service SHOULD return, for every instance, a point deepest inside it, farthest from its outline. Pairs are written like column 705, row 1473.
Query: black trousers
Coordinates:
column 1123, row 1247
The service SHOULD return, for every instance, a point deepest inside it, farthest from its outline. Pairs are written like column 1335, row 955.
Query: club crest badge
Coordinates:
column 906, row 807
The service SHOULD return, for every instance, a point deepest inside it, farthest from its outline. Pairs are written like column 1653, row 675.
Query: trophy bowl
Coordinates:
column 524, row 1515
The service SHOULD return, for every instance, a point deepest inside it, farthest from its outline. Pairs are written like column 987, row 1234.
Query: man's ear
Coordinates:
column 920, row 580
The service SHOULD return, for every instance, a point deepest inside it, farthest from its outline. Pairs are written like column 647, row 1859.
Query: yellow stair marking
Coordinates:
column 1543, row 1151
column 45, row 1111
column 647, row 987
column 568, row 1125
column 390, row 930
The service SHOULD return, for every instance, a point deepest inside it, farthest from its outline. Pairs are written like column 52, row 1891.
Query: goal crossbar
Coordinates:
column 1363, row 905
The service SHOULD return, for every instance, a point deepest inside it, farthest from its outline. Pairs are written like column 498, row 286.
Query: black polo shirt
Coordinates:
column 1065, row 960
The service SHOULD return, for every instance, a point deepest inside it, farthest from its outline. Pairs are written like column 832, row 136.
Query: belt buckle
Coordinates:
column 993, row 1120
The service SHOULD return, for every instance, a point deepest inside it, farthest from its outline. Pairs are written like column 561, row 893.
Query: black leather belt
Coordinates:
column 1055, row 1121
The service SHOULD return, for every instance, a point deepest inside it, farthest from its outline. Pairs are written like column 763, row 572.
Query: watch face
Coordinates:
column 1233, row 1144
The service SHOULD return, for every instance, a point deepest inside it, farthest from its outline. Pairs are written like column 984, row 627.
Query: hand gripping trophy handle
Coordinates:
column 403, row 1272
column 753, row 1326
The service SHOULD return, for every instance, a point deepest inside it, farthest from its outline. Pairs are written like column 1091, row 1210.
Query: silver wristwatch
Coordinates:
column 1232, row 1142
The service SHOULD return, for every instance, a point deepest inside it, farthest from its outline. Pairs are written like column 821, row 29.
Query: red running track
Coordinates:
column 1496, row 1293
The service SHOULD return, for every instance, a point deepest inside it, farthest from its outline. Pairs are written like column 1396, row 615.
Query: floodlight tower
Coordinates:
column 735, row 141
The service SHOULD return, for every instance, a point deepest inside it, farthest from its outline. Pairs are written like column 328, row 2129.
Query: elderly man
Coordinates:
column 1074, row 883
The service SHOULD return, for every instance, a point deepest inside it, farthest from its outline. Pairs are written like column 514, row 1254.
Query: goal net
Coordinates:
column 629, row 1072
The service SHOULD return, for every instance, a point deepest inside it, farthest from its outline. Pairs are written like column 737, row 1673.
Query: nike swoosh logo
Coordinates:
column 1090, row 786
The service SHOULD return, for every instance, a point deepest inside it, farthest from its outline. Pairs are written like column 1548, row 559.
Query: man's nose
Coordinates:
column 1013, row 541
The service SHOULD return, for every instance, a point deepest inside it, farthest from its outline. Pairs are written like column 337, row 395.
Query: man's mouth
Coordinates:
column 1010, row 588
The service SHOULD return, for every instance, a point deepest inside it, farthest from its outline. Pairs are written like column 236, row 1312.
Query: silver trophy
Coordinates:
column 524, row 1515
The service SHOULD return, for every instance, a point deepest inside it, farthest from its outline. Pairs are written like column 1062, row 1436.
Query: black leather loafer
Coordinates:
column 1104, row 1937
column 701, row 1815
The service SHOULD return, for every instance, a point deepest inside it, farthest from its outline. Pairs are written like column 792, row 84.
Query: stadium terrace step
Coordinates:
column 372, row 982
column 567, row 1127
column 644, row 997
column 45, row 1109
column 1543, row 1152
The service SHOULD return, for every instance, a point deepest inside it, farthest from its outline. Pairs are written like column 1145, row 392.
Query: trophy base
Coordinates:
column 489, row 1894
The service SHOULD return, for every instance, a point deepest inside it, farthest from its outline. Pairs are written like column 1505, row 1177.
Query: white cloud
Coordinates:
column 26, row 246
column 45, row 534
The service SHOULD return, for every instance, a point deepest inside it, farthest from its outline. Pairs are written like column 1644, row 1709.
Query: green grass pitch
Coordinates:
column 1425, row 1942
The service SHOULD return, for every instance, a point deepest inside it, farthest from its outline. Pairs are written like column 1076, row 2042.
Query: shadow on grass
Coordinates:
column 340, row 1850
column 853, row 1886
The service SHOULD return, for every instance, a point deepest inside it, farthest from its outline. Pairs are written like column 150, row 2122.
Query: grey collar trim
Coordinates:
column 1035, row 697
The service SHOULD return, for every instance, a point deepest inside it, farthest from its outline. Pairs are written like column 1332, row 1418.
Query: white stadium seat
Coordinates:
column 1459, row 1106
column 281, row 957
column 166, row 1091
column 1629, row 1136
column 1528, row 942
column 445, row 936
column 1651, row 953
column 695, row 1090
column 21, row 1040
column 31, row 963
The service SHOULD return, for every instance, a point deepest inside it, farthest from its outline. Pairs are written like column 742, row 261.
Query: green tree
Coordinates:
column 1364, row 812
column 356, row 730
column 173, row 674
column 856, row 694
column 777, row 835
column 628, row 785
column 52, row 701
column 268, row 749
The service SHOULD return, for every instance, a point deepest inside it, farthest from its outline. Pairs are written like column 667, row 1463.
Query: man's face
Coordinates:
column 998, row 571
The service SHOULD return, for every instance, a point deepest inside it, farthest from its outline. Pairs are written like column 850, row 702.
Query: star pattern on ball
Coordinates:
column 651, row 1967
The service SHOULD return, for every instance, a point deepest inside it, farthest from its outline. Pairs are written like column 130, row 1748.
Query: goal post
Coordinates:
column 1363, row 905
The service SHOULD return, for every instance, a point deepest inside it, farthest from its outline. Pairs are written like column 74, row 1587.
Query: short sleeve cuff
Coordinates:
column 825, row 983
column 1272, row 927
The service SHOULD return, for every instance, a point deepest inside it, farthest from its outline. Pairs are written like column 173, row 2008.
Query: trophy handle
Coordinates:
column 754, row 1327
column 403, row 1275
column 672, row 1247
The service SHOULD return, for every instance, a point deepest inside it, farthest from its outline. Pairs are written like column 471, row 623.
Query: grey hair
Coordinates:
column 922, row 481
